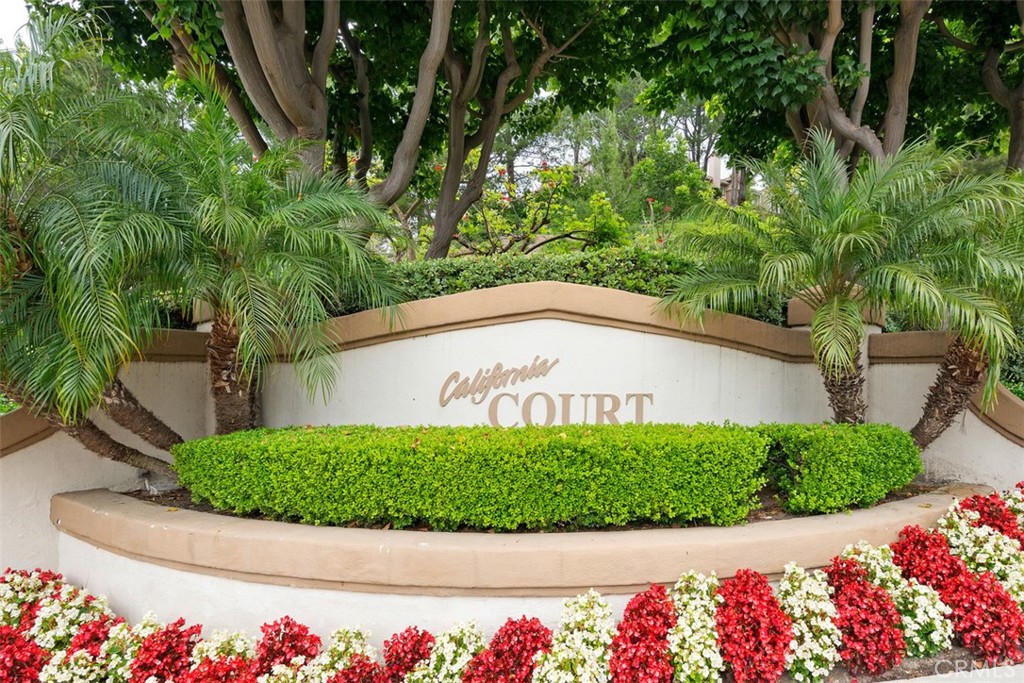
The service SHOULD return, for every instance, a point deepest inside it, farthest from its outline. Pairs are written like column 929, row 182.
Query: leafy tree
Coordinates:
column 909, row 231
column 988, row 37
column 364, row 76
column 78, row 227
column 815, row 62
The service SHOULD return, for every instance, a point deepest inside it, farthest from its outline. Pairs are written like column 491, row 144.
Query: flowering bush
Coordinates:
column 510, row 654
column 867, row 618
column 693, row 641
column 958, row 578
column 984, row 616
column 807, row 600
column 924, row 618
column 639, row 651
column 20, row 658
column 983, row 549
column 579, row 648
column 994, row 512
column 753, row 631
column 285, row 642
column 164, row 654
column 453, row 649
column 1014, row 500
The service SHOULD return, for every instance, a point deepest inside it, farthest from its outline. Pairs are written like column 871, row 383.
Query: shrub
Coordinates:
column 867, row 618
column 640, row 649
column 482, row 477
column 631, row 269
column 827, row 468
column 510, row 656
column 754, row 633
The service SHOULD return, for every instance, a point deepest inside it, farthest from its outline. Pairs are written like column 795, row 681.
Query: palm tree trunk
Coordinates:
column 846, row 394
column 234, row 396
column 101, row 443
column 961, row 373
column 125, row 410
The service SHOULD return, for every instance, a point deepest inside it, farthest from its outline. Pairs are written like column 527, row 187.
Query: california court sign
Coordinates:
column 507, row 408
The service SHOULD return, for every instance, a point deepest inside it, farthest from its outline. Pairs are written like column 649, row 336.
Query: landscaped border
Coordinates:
column 471, row 564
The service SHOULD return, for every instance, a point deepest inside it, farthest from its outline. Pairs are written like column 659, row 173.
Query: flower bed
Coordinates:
column 872, row 607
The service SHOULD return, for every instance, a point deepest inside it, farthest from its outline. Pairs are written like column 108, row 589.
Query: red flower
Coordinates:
column 639, row 651
column 667, row 209
column 502, row 171
column 403, row 651
column 868, row 619
column 283, row 641
column 753, row 631
column 360, row 669
column 438, row 167
column 164, row 654
column 650, row 200
column 993, row 511
column 509, row 656
column 20, row 658
column 92, row 635
column 227, row 670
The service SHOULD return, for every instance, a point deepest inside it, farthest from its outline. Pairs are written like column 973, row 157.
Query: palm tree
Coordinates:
column 72, row 311
column 269, row 249
column 895, row 234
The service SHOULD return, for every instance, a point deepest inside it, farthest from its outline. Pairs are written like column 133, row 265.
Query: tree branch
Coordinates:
column 860, row 98
column 478, row 60
column 940, row 23
column 286, row 71
column 992, row 80
column 328, row 39
column 894, row 124
column 243, row 54
column 361, row 65
column 186, row 63
column 406, row 154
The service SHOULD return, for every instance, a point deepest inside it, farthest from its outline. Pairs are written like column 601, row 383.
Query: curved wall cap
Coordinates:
column 574, row 303
column 436, row 563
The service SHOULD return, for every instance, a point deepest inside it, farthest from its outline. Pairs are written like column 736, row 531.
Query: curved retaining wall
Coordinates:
column 222, row 566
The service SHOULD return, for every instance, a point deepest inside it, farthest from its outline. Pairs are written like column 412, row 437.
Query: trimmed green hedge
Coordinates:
column 577, row 476
column 827, row 468
column 632, row 269
column 481, row 477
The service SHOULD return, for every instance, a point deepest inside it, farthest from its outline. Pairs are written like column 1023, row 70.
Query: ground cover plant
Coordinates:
column 571, row 476
column 854, row 614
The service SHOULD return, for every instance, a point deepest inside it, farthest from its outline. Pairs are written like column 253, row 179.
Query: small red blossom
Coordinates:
column 403, row 651
column 510, row 654
column 165, row 654
column 544, row 165
column 360, row 669
column 650, row 200
column 502, row 171
column 91, row 635
column 868, row 619
column 438, row 168
column 753, row 631
column 221, row 670
column 283, row 641
column 639, row 651
column 20, row 658
column 668, row 209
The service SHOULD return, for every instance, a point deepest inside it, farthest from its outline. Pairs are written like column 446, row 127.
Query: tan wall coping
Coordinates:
column 1006, row 416
column 907, row 347
column 20, row 429
column 437, row 563
column 570, row 302
column 799, row 314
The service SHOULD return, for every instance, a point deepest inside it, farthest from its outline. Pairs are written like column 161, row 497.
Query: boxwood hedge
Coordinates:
column 528, row 478
column 827, row 468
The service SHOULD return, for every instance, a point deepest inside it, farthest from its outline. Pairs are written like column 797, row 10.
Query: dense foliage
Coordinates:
column 542, row 477
column 820, row 468
column 482, row 477
column 52, row 632
column 642, row 271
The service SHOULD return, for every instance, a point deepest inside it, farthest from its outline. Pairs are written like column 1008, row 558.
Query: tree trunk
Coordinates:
column 846, row 394
column 101, row 443
column 234, row 397
column 1015, row 158
column 961, row 373
column 125, row 410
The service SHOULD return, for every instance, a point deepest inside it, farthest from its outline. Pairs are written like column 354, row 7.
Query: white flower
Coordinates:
column 985, row 550
column 580, row 646
column 693, row 641
column 224, row 644
column 807, row 599
column 451, row 653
